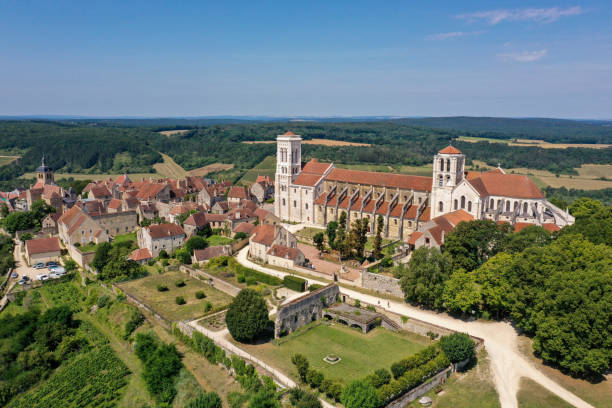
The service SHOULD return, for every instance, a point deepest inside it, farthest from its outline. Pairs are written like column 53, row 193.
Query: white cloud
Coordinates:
column 526, row 56
column 544, row 15
column 452, row 35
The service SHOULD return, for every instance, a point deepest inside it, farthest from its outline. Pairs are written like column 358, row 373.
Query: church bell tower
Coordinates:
column 288, row 167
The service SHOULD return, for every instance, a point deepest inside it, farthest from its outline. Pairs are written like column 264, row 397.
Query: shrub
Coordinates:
column 103, row 301
column 240, row 236
column 371, row 308
column 251, row 280
column 457, row 346
column 240, row 278
column 179, row 283
column 357, row 303
column 294, row 283
column 136, row 319
column 195, row 242
column 314, row 287
column 335, row 391
column 302, row 365
column 399, row 368
column 314, row 378
column 163, row 254
column 360, row 394
column 180, row 300
column 151, row 262
column 165, row 262
column 200, row 294
column 205, row 400
column 162, row 288
column 379, row 378
column 247, row 316
column 183, row 256
column 207, row 307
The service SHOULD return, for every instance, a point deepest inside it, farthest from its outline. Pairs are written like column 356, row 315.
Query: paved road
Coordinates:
column 507, row 364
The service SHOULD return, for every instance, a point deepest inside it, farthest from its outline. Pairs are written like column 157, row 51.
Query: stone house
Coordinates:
column 42, row 250
column 141, row 256
column 168, row 237
column 49, row 223
column 114, row 205
column 262, row 189
column 265, row 236
column 77, row 226
column 220, row 207
column 194, row 223
column 285, row 257
column 432, row 233
column 237, row 194
column 204, row 255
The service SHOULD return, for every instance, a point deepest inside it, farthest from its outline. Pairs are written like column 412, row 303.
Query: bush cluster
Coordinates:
column 399, row 368
column 294, row 283
column 243, row 273
column 315, row 378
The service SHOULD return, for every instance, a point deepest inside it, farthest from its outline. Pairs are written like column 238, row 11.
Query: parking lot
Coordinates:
column 22, row 269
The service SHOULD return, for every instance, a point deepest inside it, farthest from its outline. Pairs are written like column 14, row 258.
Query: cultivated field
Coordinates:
column 4, row 160
column 169, row 168
column 164, row 303
column 267, row 167
column 360, row 353
column 211, row 168
column 533, row 143
column 173, row 132
column 323, row 142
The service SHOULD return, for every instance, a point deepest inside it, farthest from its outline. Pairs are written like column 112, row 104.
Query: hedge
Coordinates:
column 314, row 287
column 398, row 369
column 294, row 283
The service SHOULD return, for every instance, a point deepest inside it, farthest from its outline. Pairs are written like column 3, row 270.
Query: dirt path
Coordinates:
column 507, row 364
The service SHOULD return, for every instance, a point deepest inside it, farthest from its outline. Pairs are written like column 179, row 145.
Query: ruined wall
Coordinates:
column 305, row 309
column 381, row 284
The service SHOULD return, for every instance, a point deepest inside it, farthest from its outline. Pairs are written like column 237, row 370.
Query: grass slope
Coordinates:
column 533, row 395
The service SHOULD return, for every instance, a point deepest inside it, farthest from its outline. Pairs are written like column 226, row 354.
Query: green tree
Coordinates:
column 183, row 256
column 423, row 279
column 195, row 242
column 360, row 394
column 102, row 255
column 4, row 210
column 332, row 227
column 530, row 236
column 492, row 278
column 377, row 246
column 205, row 400
column 470, row 244
column 358, row 237
column 247, row 316
column 264, row 399
column 302, row 365
column 595, row 226
column 457, row 347
column 585, row 207
column 461, row 292
column 319, row 240
column 342, row 244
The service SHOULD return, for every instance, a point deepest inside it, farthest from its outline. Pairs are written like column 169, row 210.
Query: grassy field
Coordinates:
column 4, row 160
column 169, row 168
column 309, row 232
column 267, row 167
column 164, row 303
column 532, row 143
column 173, row 132
column 533, row 395
column 202, row 171
column 360, row 353
column 130, row 236
column 471, row 389
column 597, row 394
column 218, row 240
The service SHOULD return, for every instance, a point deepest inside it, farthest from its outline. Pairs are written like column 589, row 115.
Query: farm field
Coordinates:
column 211, row 168
column 322, row 142
column 533, row 143
column 267, row 167
column 173, row 132
column 169, row 168
column 361, row 354
column 4, row 160
column 164, row 303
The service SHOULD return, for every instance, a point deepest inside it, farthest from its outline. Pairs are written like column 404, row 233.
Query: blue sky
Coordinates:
column 323, row 58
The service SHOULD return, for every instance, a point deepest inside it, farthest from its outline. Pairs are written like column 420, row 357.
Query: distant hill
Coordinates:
column 551, row 130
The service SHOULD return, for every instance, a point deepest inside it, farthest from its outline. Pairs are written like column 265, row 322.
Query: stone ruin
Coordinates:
column 305, row 309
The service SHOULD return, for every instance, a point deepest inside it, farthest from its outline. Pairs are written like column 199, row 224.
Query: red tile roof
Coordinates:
column 245, row 227
column 237, row 192
column 140, row 254
column 150, row 190
column 505, row 185
column 306, row 179
column 264, row 234
column 282, row 251
column 211, row 252
column 289, row 133
column 450, row 150
column 165, row 230
column 403, row 181
column 100, row 191
column 114, row 204
column 414, row 236
column 42, row 245
column 197, row 220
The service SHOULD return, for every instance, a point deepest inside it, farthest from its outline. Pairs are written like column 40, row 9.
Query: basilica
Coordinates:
column 316, row 193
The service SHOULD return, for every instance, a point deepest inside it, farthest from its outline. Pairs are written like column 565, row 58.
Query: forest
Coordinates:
column 100, row 147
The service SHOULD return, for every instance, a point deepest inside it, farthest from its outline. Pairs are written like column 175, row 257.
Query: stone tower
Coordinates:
column 288, row 167
column 448, row 171
column 44, row 173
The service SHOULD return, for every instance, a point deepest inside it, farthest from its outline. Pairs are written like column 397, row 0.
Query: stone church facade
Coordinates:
column 317, row 193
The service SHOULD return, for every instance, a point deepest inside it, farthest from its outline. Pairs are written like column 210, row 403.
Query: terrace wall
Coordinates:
column 381, row 284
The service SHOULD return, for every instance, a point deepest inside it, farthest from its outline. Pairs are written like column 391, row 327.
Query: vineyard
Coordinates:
column 93, row 379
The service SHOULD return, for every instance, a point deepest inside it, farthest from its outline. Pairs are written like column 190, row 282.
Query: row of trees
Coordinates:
column 556, row 288
column 350, row 243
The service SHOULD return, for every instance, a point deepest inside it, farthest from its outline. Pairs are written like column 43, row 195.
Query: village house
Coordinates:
column 432, row 233
column 262, row 189
column 42, row 250
column 204, row 255
column 156, row 238
column 141, row 256
column 194, row 223
column 237, row 194
column 285, row 257
column 75, row 226
column 265, row 236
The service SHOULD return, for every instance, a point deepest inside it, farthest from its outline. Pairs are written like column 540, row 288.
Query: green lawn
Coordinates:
column 88, row 247
column 533, row 395
column 164, row 303
column 130, row 236
column 309, row 232
column 360, row 353
column 218, row 240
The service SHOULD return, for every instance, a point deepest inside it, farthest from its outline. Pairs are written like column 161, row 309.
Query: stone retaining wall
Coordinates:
column 212, row 280
column 416, row 392
column 381, row 284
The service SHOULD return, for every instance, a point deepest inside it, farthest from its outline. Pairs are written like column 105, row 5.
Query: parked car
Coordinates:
column 52, row 263
column 39, row 265
column 53, row 275
column 22, row 281
column 14, row 275
column 59, row 270
column 42, row 277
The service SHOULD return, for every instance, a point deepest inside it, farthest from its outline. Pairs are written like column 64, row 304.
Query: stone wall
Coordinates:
column 304, row 310
column 215, row 282
column 82, row 258
column 416, row 392
column 117, row 223
column 381, row 284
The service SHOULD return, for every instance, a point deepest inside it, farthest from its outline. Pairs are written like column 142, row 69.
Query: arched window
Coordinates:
column 440, row 180
column 455, row 204
column 447, row 164
column 525, row 207
column 516, row 205
column 441, row 164
column 441, row 206
column 448, row 180
column 469, row 206
column 507, row 205
column 492, row 204
column 462, row 202
column 283, row 201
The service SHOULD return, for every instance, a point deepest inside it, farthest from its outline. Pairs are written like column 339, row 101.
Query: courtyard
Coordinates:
column 360, row 354
column 164, row 303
